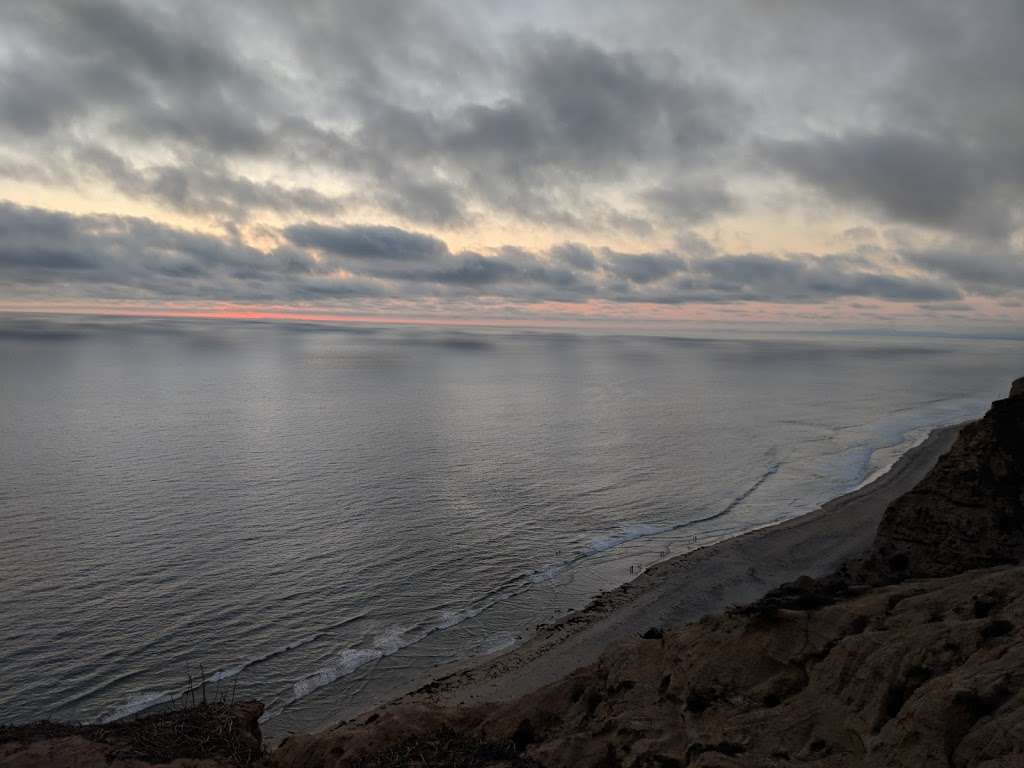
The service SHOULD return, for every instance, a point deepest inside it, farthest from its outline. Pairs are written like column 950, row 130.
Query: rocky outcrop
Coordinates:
column 968, row 512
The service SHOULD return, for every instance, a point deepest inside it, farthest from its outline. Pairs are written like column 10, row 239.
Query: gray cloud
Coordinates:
column 207, row 189
column 690, row 202
column 157, row 78
column 980, row 270
column 564, row 119
column 575, row 255
column 581, row 117
column 907, row 177
column 808, row 278
column 643, row 268
column 120, row 257
column 359, row 242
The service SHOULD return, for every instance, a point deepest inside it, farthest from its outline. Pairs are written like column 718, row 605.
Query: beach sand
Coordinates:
column 681, row 590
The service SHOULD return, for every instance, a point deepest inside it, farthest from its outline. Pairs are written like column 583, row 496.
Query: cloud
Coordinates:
column 907, row 177
column 363, row 136
column 115, row 257
column 980, row 270
column 564, row 120
column 579, row 115
column 362, row 242
column 690, row 201
column 575, row 255
column 808, row 278
column 207, row 189
column 858, row 235
column 157, row 79
column 642, row 268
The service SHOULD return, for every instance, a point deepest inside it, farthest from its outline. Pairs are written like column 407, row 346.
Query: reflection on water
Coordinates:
column 318, row 516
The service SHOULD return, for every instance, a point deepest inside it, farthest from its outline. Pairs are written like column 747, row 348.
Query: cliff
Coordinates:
column 969, row 511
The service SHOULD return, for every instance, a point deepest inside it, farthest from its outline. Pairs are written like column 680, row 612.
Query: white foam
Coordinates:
column 139, row 702
column 895, row 437
column 347, row 662
column 629, row 533
column 496, row 643
column 396, row 638
column 225, row 674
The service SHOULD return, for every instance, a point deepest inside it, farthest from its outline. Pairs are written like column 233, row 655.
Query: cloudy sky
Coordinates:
column 729, row 161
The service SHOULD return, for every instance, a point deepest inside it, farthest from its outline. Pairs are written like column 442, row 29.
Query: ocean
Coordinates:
column 319, row 516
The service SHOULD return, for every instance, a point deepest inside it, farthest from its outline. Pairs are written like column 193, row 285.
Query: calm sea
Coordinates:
column 319, row 516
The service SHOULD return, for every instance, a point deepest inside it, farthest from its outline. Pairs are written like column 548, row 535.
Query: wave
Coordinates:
column 396, row 638
column 496, row 643
column 140, row 702
column 391, row 641
column 900, row 435
column 146, row 700
column 641, row 531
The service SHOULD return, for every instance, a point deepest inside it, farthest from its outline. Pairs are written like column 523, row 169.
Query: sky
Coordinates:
column 776, row 163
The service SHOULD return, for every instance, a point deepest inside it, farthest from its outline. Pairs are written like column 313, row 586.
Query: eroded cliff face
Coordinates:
column 969, row 511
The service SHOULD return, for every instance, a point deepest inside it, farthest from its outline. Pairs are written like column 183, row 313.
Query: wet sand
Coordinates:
column 681, row 590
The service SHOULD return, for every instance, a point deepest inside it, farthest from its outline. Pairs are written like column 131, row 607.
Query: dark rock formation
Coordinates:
column 968, row 512
column 204, row 736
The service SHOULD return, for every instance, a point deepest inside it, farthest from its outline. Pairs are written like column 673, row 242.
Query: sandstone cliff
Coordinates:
column 969, row 511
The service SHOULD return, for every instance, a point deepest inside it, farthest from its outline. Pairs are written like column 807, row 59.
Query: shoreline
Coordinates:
column 686, row 587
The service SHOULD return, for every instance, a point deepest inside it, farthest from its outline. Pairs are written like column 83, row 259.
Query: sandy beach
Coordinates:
column 681, row 590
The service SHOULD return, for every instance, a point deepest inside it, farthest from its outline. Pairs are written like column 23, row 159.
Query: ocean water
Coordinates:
column 319, row 516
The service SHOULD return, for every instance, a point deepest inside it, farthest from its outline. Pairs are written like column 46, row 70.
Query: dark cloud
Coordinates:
column 564, row 118
column 922, row 129
column 691, row 202
column 810, row 278
column 607, row 125
column 143, row 72
column 642, row 268
column 120, row 257
column 580, row 114
column 909, row 178
column 116, row 257
column 575, row 255
column 204, row 190
column 980, row 270
column 359, row 242
column 427, row 201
